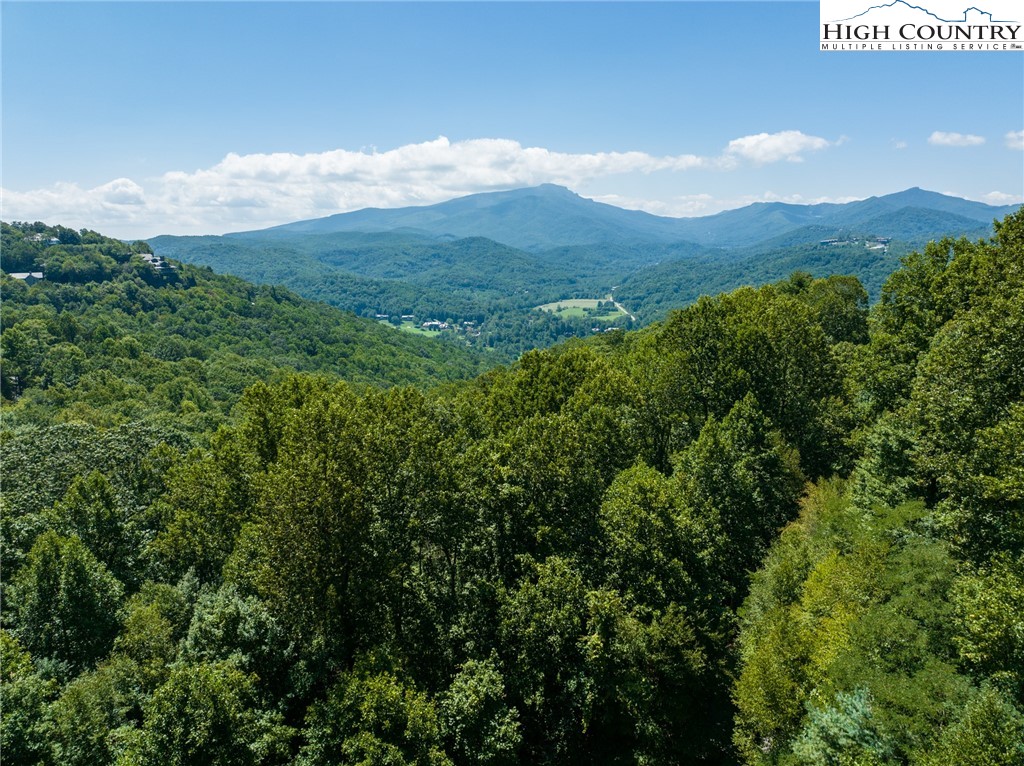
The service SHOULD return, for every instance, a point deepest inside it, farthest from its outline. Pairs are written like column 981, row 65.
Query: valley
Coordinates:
column 497, row 260
column 598, row 309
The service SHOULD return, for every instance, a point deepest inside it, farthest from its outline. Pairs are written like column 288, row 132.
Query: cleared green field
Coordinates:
column 571, row 303
column 412, row 327
column 582, row 307
column 572, row 311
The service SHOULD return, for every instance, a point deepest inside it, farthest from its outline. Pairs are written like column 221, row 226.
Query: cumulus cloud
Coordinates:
column 1015, row 139
column 941, row 138
column 1002, row 198
column 680, row 206
column 258, row 190
column 118, row 199
column 789, row 145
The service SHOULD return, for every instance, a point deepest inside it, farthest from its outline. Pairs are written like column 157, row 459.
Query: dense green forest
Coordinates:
column 494, row 286
column 114, row 334
column 778, row 527
column 498, row 287
column 491, row 259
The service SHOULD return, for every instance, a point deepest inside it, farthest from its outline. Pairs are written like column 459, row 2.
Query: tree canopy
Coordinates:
column 780, row 527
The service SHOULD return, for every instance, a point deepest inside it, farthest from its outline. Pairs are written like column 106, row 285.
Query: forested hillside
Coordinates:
column 494, row 286
column 113, row 334
column 492, row 259
column 775, row 528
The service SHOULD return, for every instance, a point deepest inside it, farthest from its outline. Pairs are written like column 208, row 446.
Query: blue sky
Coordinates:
column 187, row 117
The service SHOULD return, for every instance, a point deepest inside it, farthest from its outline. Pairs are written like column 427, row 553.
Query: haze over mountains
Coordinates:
column 492, row 259
column 548, row 216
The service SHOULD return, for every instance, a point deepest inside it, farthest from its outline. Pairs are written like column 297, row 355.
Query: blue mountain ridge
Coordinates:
column 544, row 217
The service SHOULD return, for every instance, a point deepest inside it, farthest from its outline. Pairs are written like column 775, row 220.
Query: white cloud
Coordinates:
column 1015, row 139
column 119, row 199
column 676, row 207
column 1002, row 198
column 763, row 148
column 899, row 145
column 259, row 190
column 940, row 138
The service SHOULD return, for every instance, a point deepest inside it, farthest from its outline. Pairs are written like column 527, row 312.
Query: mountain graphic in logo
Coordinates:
column 972, row 15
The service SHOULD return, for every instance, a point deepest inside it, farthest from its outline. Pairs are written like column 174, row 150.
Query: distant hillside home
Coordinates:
column 29, row 277
column 157, row 262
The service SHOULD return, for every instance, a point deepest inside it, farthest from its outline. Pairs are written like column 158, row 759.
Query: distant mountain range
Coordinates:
column 548, row 216
column 487, row 260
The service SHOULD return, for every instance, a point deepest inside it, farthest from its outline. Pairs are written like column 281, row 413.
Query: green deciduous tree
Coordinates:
column 229, row 626
column 479, row 725
column 989, row 733
column 84, row 719
column 24, row 348
column 205, row 714
column 989, row 620
column 767, row 344
column 373, row 719
column 208, row 499
column 542, row 623
column 90, row 510
column 65, row 602
column 646, row 553
column 740, row 482
column 25, row 730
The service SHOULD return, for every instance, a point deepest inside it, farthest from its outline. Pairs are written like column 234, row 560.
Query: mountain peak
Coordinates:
column 917, row 194
column 546, row 216
column 542, row 190
column 555, row 189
